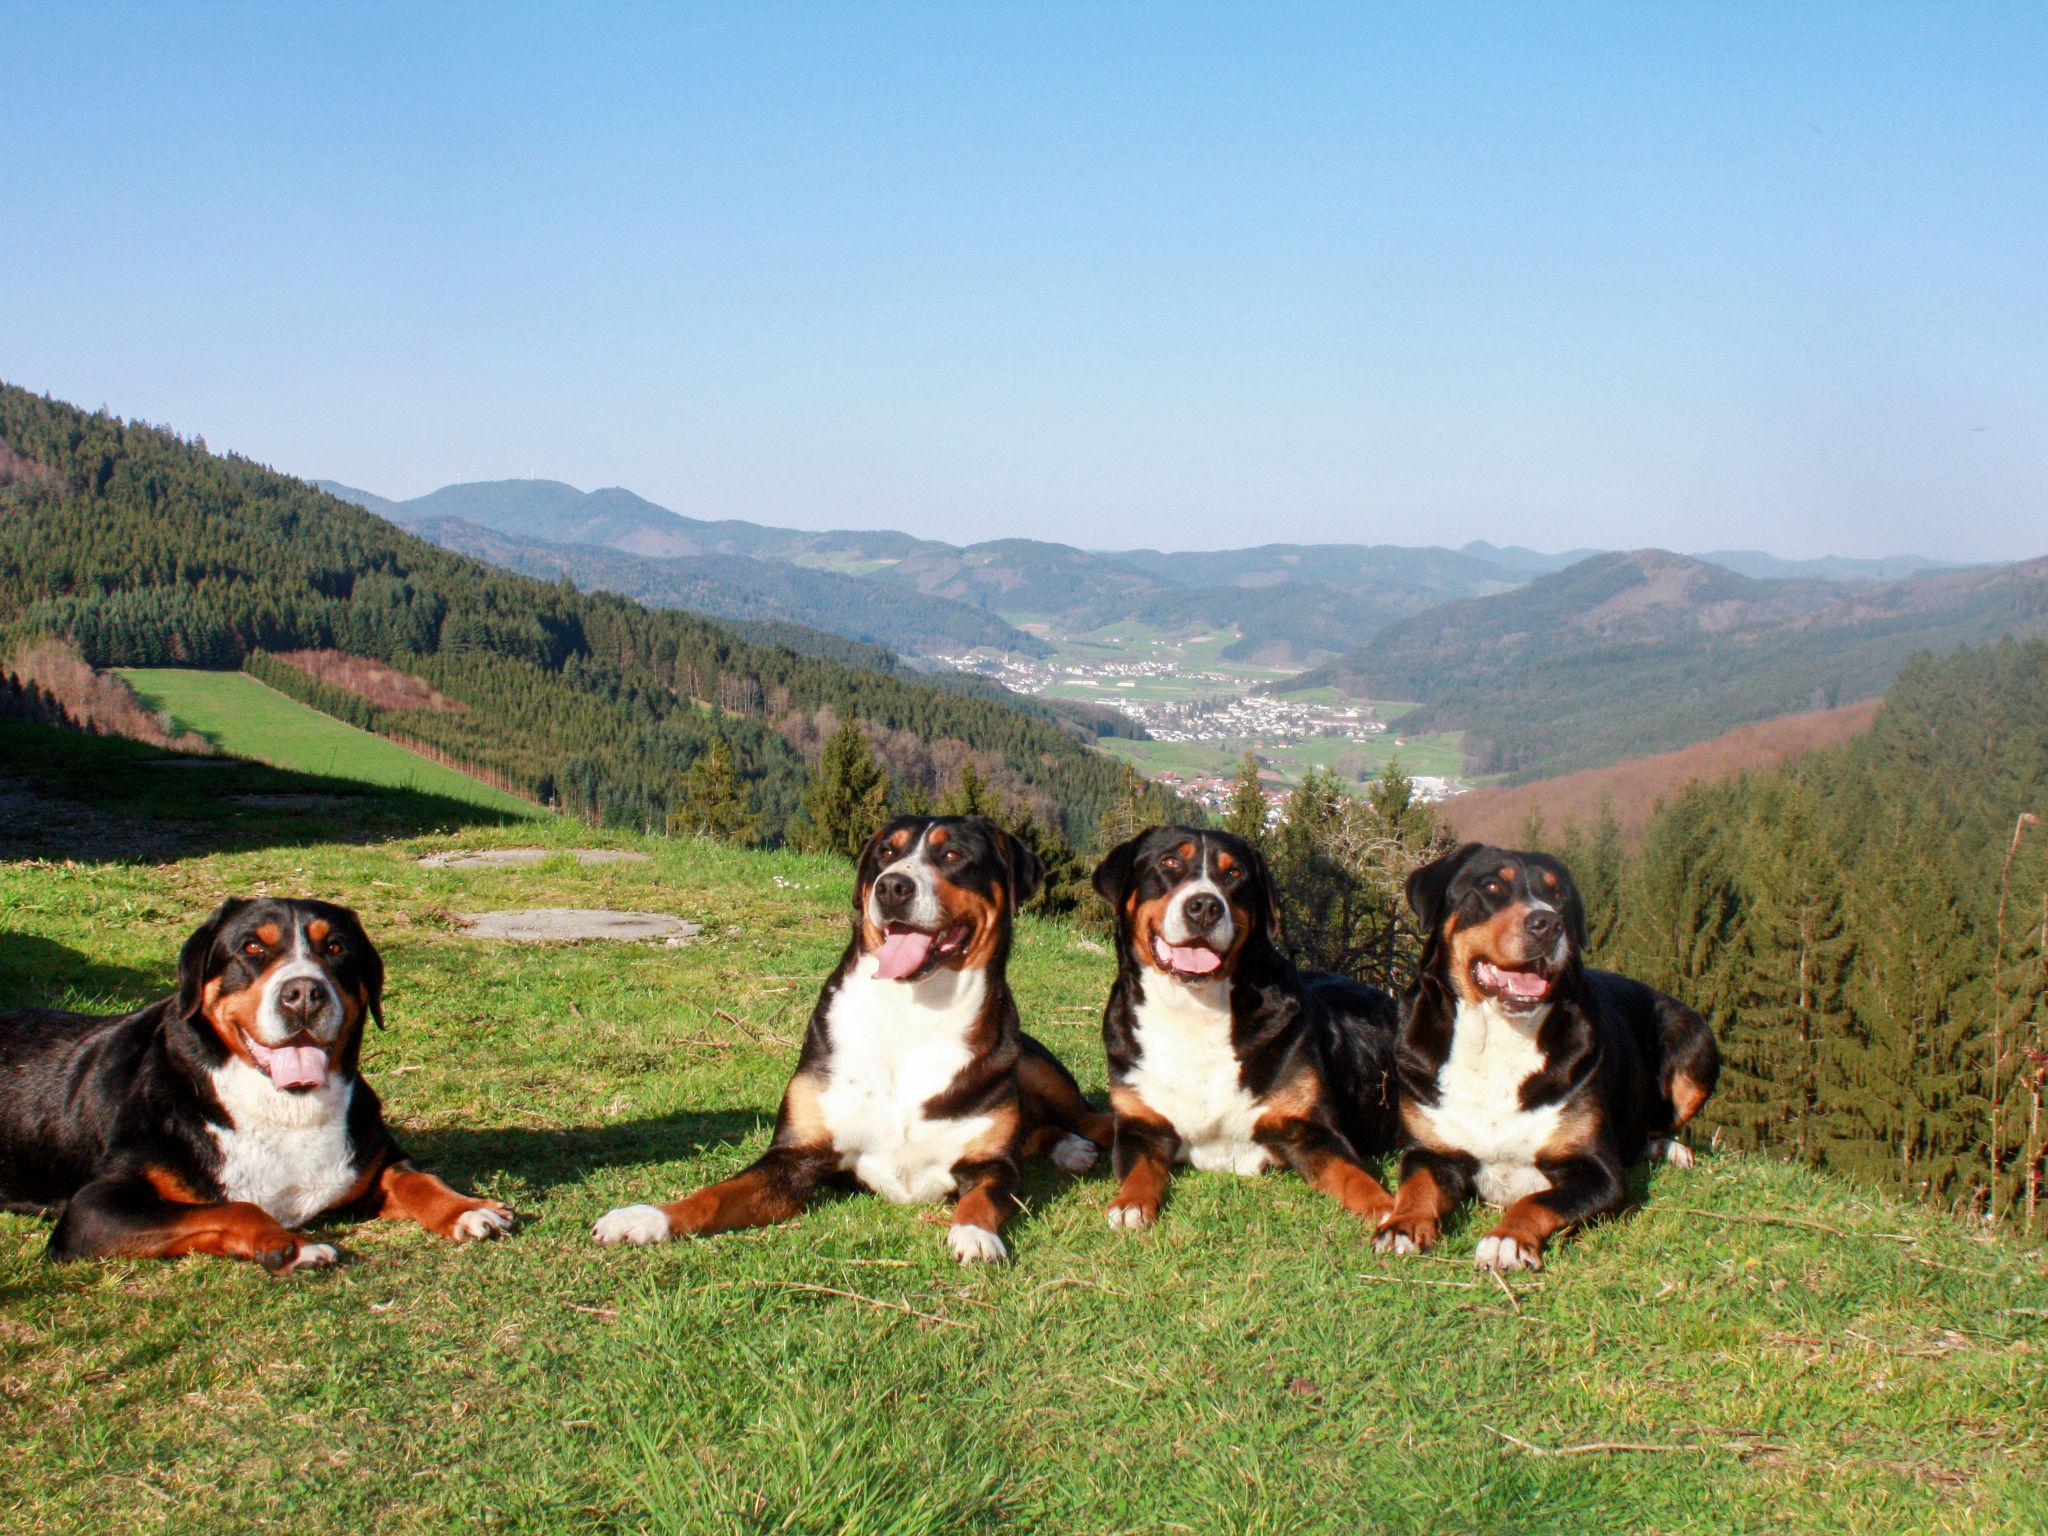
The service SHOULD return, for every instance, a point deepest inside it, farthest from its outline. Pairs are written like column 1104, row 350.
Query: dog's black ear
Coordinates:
column 1027, row 870
column 1428, row 886
column 197, row 955
column 1113, row 874
column 373, row 971
column 1269, row 894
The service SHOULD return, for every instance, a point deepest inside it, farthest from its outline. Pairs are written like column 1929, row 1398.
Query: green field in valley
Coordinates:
column 244, row 718
column 1356, row 760
column 1756, row 1348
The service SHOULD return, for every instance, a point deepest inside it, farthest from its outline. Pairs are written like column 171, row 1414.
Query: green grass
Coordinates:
column 1249, row 1366
column 244, row 718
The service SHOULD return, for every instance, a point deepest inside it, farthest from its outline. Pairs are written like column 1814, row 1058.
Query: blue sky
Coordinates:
column 1182, row 276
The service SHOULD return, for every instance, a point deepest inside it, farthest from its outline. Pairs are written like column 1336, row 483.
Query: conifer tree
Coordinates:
column 847, row 798
column 1245, row 814
column 971, row 795
column 714, row 801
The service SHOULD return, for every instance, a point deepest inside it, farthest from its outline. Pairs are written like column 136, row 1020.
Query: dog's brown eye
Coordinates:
column 336, row 947
column 1170, row 864
column 951, row 856
column 253, row 947
column 1494, row 888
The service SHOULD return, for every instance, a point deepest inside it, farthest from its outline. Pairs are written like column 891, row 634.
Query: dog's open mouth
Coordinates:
column 1186, row 959
column 1524, row 988
column 296, row 1064
column 906, row 951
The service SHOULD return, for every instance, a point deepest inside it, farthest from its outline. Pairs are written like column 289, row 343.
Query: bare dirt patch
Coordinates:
column 385, row 687
column 526, row 858
column 542, row 925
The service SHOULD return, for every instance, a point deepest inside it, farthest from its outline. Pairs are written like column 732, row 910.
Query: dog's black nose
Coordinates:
column 301, row 999
column 1543, row 927
column 1202, row 911
column 895, row 892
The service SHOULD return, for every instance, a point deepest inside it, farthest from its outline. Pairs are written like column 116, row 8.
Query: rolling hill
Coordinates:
column 147, row 550
column 1627, row 654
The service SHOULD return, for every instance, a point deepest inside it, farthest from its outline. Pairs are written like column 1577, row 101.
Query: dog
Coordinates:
column 915, row 1080
column 219, row 1119
column 1526, row 1077
column 1221, row 1054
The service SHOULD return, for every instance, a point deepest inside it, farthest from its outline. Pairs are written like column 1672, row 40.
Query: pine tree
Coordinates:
column 714, row 801
column 971, row 795
column 846, row 799
column 1245, row 814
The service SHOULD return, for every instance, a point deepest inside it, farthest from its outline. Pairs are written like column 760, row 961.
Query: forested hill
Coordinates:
column 1626, row 654
column 148, row 550
column 1867, row 929
column 736, row 587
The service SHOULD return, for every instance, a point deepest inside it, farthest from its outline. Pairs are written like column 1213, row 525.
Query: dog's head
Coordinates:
column 940, row 891
column 1189, row 902
column 285, row 985
column 1499, row 926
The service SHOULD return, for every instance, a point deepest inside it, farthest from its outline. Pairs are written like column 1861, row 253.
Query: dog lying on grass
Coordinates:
column 1527, row 1078
column 221, row 1118
column 915, row 1081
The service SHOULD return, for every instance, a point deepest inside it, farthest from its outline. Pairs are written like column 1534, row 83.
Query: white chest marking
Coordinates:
column 1187, row 1072
column 287, row 1152
column 895, row 1046
column 1478, row 1109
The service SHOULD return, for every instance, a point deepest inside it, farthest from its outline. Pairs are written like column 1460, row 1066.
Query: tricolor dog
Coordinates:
column 1526, row 1078
column 222, row 1118
column 915, row 1080
column 1221, row 1054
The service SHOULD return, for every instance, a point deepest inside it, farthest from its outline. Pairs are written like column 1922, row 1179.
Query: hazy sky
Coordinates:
column 1114, row 274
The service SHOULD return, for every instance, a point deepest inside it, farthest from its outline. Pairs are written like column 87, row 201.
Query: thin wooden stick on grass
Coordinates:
column 1449, row 1285
column 1596, row 1447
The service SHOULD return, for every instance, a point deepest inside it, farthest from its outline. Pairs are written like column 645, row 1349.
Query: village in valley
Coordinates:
column 1201, row 715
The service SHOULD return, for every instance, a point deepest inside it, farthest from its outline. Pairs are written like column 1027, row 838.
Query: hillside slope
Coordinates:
column 152, row 551
column 1755, row 1347
column 1628, row 654
column 1633, row 788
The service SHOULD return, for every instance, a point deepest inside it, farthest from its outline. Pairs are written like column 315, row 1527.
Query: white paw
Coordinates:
column 1395, row 1242
column 481, row 1222
column 313, row 1256
column 1504, row 1253
column 638, row 1224
column 1076, row 1154
column 1128, row 1218
column 975, row 1245
column 1674, row 1152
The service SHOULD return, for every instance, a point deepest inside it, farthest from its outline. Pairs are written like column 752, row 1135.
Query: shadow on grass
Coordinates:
column 545, row 1159
column 100, row 799
column 36, row 972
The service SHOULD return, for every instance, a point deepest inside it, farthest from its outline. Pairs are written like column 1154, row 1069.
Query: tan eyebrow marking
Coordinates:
column 1550, row 878
column 1225, row 863
column 317, row 930
column 1507, row 871
column 1187, row 850
column 939, row 835
column 269, row 933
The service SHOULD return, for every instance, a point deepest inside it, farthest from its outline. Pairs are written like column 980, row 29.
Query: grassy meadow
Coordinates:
column 244, row 718
column 1754, row 1349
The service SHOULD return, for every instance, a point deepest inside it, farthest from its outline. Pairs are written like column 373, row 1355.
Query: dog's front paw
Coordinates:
column 1672, row 1151
column 1499, row 1253
column 636, row 1224
column 1076, row 1154
column 481, row 1221
column 311, row 1256
column 1132, row 1215
column 1404, row 1235
column 975, row 1245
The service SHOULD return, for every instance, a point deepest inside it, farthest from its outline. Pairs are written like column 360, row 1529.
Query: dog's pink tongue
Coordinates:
column 1520, row 985
column 902, row 953
column 297, row 1066
column 1192, row 958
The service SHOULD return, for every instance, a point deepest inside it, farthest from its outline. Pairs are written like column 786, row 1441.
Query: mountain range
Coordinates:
column 1644, row 651
column 1289, row 604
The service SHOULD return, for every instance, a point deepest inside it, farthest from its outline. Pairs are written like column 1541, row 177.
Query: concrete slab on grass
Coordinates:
column 537, row 925
column 522, row 858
